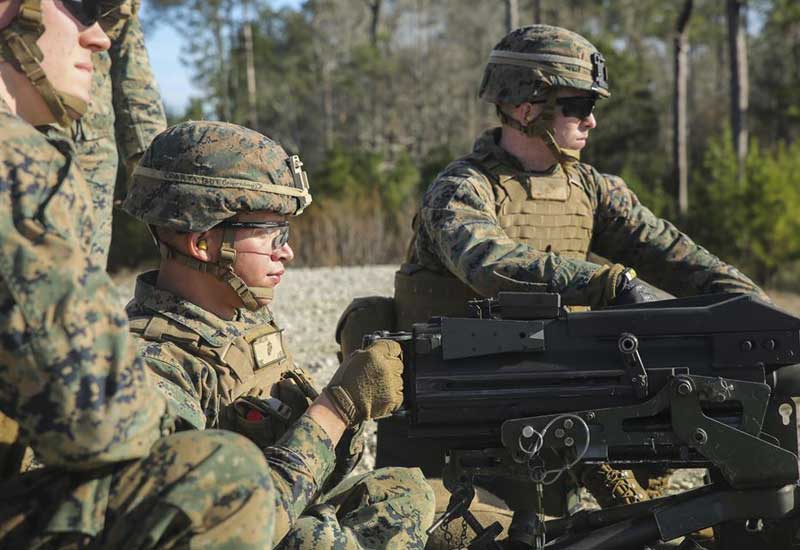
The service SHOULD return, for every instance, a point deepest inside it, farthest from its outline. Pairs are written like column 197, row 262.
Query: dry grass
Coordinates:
column 349, row 232
column 789, row 301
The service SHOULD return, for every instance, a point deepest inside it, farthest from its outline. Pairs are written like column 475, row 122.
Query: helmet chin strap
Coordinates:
column 541, row 127
column 222, row 270
column 18, row 46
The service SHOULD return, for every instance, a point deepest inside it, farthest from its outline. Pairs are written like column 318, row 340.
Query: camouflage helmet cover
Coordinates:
column 530, row 60
column 195, row 175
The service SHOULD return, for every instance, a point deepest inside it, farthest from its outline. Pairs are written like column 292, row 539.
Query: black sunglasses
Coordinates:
column 87, row 12
column 577, row 106
column 280, row 239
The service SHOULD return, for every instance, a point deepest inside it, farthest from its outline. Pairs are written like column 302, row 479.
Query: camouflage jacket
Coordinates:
column 457, row 231
column 69, row 377
column 124, row 116
column 302, row 459
column 197, row 383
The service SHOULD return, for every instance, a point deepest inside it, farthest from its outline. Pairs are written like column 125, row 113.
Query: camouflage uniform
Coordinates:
column 125, row 114
column 84, row 400
column 487, row 225
column 236, row 374
column 462, row 229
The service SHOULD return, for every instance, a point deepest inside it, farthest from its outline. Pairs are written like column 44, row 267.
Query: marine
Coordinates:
column 218, row 199
column 522, row 213
column 124, row 115
column 116, row 474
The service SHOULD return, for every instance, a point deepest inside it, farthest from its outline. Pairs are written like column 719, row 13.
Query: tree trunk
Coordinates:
column 740, row 86
column 512, row 15
column 679, row 148
column 375, row 20
column 537, row 12
column 252, row 103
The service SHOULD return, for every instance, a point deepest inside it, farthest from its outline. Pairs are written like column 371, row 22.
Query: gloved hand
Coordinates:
column 632, row 290
column 369, row 384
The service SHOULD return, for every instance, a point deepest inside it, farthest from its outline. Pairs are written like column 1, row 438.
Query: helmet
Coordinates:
column 531, row 60
column 533, row 63
column 18, row 46
column 196, row 175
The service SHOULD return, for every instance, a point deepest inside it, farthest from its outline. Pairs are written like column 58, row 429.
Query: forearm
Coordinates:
column 628, row 232
column 137, row 102
column 299, row 465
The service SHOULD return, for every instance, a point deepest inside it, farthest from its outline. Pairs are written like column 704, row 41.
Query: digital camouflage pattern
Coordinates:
column 458, row 231
column 198, row 383
column 192, row 489
column 84, row 400
column 124, row 115
column 384, row 509
column 79, row 392
column 531, row 60
column 239, row 170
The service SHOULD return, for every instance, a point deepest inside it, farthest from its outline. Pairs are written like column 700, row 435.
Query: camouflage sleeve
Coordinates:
column 460, row 223
column 68, row 374
column 184, row 396
column 299, row 465
column 628, row 232
column 137, row 103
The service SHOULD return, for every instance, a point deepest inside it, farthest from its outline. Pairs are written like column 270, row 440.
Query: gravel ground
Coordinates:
column 310, row 300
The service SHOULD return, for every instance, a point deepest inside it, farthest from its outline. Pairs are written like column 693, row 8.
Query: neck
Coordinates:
column 21, row 96
column 201, row 289
column 532, row 152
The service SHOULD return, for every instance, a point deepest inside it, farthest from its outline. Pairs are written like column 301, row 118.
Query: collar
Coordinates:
column 149, row 300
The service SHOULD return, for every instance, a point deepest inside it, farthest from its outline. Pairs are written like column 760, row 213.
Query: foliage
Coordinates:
column 378, row 96
column 755, row 222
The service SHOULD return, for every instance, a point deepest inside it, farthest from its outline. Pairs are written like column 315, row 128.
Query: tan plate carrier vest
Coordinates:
column 548, row 213
column 254, row 365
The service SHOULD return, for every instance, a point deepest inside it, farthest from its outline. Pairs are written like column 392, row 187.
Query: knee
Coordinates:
column 221, row 482
column 411, row 483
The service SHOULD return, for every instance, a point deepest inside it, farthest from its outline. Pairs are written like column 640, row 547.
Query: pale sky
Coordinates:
column 164, row 48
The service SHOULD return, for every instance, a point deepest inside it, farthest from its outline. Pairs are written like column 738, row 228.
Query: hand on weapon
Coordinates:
column 632, row 290
column 369, row 384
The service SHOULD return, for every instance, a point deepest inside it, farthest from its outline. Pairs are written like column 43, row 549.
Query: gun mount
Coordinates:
column 524, row 390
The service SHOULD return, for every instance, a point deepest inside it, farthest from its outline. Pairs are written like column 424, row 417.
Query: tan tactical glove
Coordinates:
column 369, row 384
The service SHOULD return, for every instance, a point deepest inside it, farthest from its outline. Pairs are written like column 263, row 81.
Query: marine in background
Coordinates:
column 522, row 213
column 218, row 199
column 124, row 115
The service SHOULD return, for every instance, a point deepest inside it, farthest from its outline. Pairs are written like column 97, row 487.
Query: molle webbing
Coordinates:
column 549, row 213
column 257, row 359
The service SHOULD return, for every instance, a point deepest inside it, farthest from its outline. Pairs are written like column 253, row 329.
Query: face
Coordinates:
column 67, row 47
column 259, row 262
column 570, row 131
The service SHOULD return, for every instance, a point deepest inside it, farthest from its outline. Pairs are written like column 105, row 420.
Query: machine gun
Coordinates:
column 524, row 389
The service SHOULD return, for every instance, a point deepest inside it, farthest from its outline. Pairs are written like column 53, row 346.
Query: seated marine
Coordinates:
column 217, row 198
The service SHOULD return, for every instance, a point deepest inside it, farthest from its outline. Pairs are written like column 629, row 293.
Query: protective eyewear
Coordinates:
column 282, row 228
column 87, row 12
column 577, row 106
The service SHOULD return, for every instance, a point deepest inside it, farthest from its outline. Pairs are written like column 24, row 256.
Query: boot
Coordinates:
column 653, row 480
column 611, row 487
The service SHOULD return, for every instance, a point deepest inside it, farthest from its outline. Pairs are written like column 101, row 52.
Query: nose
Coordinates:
column 589, row 122
column 95, row 39
column 283, row 253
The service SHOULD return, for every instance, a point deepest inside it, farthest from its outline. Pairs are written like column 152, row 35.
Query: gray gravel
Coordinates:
column 308, row 303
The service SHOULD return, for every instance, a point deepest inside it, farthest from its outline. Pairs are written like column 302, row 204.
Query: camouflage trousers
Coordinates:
column 388, row 508
column 195, row 489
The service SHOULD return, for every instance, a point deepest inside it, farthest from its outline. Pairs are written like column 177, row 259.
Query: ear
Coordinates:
column 198, row 245
column 528, row 112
